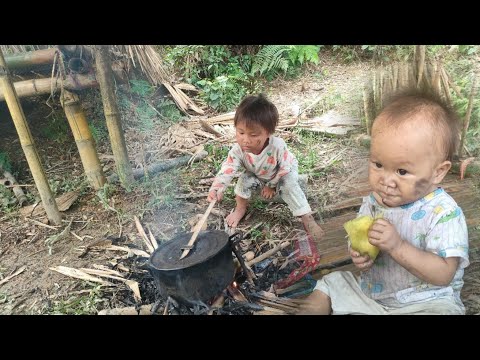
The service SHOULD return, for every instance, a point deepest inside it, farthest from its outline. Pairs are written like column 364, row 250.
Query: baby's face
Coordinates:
column 403, row 163
column 251, row 139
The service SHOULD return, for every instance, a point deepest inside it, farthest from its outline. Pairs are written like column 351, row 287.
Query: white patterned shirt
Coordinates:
column 434, row 223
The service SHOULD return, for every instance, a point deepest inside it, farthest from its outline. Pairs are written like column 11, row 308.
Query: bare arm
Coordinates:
column 425, row 265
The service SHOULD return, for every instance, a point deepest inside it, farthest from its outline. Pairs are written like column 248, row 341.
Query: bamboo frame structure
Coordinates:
column 83, row 138
column 29, row 59
column 47, row 85
column 112, row 115
column 28, row 144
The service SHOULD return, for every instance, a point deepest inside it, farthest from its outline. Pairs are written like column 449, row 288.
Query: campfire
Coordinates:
column 224, row 275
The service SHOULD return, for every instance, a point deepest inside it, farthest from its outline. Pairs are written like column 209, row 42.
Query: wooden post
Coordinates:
column 83, row 138
column 112, row 115
column 28, row 144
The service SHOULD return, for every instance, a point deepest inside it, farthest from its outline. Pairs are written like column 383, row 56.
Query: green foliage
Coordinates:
column 99, row 131
column 299, row 54
column 217, row 155
column 169, row 110
column 468, row 49
column 223, row 78
column 222, row 93
column 79, row 304
column 141, row 88
column 271, row 58
column 161, row 190
column 380, row 53
column 5, row 161
column 8, row 201
column 62, row 185
column 105, row 193
column 56, row 128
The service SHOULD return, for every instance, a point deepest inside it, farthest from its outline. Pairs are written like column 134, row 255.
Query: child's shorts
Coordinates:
column 288, row 188
column 347, row 298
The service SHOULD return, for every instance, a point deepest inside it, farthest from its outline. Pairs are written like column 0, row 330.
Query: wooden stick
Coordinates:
column 268, row 253
column 152, row 238
column 198, row 228
column 18, row 272
column 144, row 236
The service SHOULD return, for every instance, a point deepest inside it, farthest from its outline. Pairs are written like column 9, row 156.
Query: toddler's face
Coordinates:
column 251, row 139
column 404, row 163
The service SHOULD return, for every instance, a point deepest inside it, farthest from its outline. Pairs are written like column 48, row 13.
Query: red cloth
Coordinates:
column 308, row 257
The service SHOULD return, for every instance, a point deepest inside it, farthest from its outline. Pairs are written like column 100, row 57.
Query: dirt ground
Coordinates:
column 162, row 204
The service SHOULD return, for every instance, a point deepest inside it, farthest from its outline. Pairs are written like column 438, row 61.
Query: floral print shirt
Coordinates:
column 269, row 166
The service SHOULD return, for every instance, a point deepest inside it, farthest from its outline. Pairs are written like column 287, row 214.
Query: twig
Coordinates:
column 19, row 271
column 42, row 224
column 268, row 253
column 142, row 233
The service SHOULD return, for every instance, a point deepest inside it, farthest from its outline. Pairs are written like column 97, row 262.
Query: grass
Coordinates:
column 79, row 305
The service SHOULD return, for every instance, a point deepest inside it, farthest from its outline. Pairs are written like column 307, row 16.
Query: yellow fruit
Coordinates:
column 357, row 230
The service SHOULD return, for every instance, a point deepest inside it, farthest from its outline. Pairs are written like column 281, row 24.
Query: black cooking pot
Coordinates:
column 204, row 273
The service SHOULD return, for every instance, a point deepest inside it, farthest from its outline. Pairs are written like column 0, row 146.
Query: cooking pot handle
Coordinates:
column 232, row 239
column 233, row 243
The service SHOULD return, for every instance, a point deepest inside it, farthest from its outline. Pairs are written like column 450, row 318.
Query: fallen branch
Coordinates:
column 79, row 274
column 131, row 310
column 163, row 166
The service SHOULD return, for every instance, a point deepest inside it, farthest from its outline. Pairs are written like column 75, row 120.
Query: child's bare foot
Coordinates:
column 312, row 228
column 234, row 218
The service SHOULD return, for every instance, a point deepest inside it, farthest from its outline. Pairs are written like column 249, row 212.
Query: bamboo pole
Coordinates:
column 395, row 77
column 466, row 122
column 446, row 87
column 83, row 139
column 28, row 144
column 366, row 106
column 420, row 62
column 29, row 59
column 44, row 86
column 436, row 78
column 112, row 115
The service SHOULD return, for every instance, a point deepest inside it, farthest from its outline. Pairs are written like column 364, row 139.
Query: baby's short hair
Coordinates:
column 257, row 110
column 442, row 118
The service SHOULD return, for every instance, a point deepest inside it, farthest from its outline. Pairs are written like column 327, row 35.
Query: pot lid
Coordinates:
column 208, row 244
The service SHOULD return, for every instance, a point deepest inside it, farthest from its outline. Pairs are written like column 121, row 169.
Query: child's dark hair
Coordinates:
column 407, row 103
column 257, row 110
